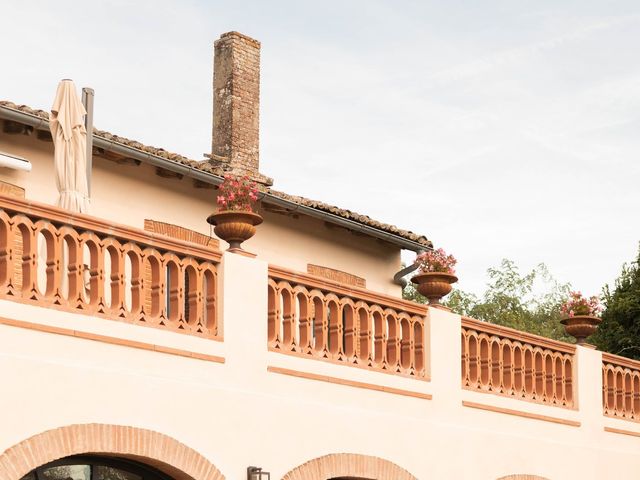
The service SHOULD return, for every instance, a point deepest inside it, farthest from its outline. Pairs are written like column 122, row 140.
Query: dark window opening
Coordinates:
column 90, row 467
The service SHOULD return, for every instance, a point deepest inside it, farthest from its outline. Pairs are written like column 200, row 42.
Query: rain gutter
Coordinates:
column 188, row 171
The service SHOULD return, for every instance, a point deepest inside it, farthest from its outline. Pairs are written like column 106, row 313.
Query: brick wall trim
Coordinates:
column 350, row 465
column 145, row 446
column 521, row 476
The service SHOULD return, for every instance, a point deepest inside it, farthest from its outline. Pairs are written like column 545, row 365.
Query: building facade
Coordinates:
column 132, row 345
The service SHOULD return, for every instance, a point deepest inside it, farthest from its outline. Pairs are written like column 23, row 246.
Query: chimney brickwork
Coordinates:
column 236, row 105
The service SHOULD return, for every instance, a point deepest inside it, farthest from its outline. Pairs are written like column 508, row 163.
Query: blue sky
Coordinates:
column 498, row 129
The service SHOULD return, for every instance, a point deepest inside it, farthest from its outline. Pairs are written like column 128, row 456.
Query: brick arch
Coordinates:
column 145, row 446
column 521, row 476
column 348, row 465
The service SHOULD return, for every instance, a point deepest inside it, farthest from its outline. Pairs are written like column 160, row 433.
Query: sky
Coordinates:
column 498, row 129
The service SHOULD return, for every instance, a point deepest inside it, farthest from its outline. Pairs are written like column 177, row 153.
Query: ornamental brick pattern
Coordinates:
column 146, row 446
column 181, row 233
column 336, row 275
column 348, row 465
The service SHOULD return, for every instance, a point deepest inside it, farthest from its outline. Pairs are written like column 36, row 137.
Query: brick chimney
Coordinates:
column 236, row 105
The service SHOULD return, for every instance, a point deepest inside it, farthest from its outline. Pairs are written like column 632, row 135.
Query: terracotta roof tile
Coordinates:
column 218, row 169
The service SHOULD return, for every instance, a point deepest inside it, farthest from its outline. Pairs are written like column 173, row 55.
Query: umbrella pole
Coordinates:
column 87, row 101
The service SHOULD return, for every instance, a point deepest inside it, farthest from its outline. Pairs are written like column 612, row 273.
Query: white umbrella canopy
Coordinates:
column 70, row 140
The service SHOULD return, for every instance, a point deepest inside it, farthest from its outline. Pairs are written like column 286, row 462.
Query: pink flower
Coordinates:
column 237, row 193
column 436, row 261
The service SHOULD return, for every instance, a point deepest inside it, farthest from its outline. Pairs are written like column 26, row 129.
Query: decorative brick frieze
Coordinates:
column 336, row 275
column 11, row 190
column 180, row 233
column 348, row 465
column 325, row 320
column 155, row 449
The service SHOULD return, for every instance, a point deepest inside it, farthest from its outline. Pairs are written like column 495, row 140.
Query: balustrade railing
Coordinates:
column 516, row 364
column 52, row 257
column 318, row 318
column 620, row 387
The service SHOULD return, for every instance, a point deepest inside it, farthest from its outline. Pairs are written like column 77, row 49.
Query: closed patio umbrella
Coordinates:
column 70, row 140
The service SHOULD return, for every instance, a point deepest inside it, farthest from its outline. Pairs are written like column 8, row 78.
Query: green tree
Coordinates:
column 528, row 302
column 619, row 331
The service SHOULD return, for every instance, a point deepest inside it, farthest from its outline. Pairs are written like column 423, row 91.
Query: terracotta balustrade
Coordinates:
column 516, row 364
column 317, row 318
column 59, row 259
column 620, row 387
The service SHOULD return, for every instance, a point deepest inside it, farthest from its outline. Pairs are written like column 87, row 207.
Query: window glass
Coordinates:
column 110, row 473
column 68, row 472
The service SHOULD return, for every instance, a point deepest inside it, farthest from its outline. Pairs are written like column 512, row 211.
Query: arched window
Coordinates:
column 89, row 467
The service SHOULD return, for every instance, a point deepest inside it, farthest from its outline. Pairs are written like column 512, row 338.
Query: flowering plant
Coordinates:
column 579, row 305
column 436, row 261
column 238, row 194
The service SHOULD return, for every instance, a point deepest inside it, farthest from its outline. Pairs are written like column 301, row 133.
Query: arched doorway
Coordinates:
column 348, row 466
column 522, row 476
column 136, row 445
column 92, row 467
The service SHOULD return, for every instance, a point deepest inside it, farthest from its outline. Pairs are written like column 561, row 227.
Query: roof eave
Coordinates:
column 37, row 122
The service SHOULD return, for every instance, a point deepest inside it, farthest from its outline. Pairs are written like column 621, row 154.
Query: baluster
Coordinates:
column 379, row 338
column 6, row 253
column 485, row 362
column 406, row 344
column 29, row 269
column 92, row 245
column 305, row 321
column 320, row 323
column 635, row 395
column 628, row 393
column 154, row 287
column 619, row 383
column 567, row 379
column 193, row 295
column 416, row 326
column 365, row 334
column 72, row 278
column 288, row 317
column 273, row 333
column 473, row 355
column 349, row 330
column 113, row 249
column 507, row 367
column 334, row 320
column 175, row 291
column 393, row 340
column 495, row 366
column 136, row 281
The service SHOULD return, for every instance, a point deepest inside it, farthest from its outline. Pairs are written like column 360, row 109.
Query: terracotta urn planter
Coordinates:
column 580, row 327
column 234, row 227
column 434, row 285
